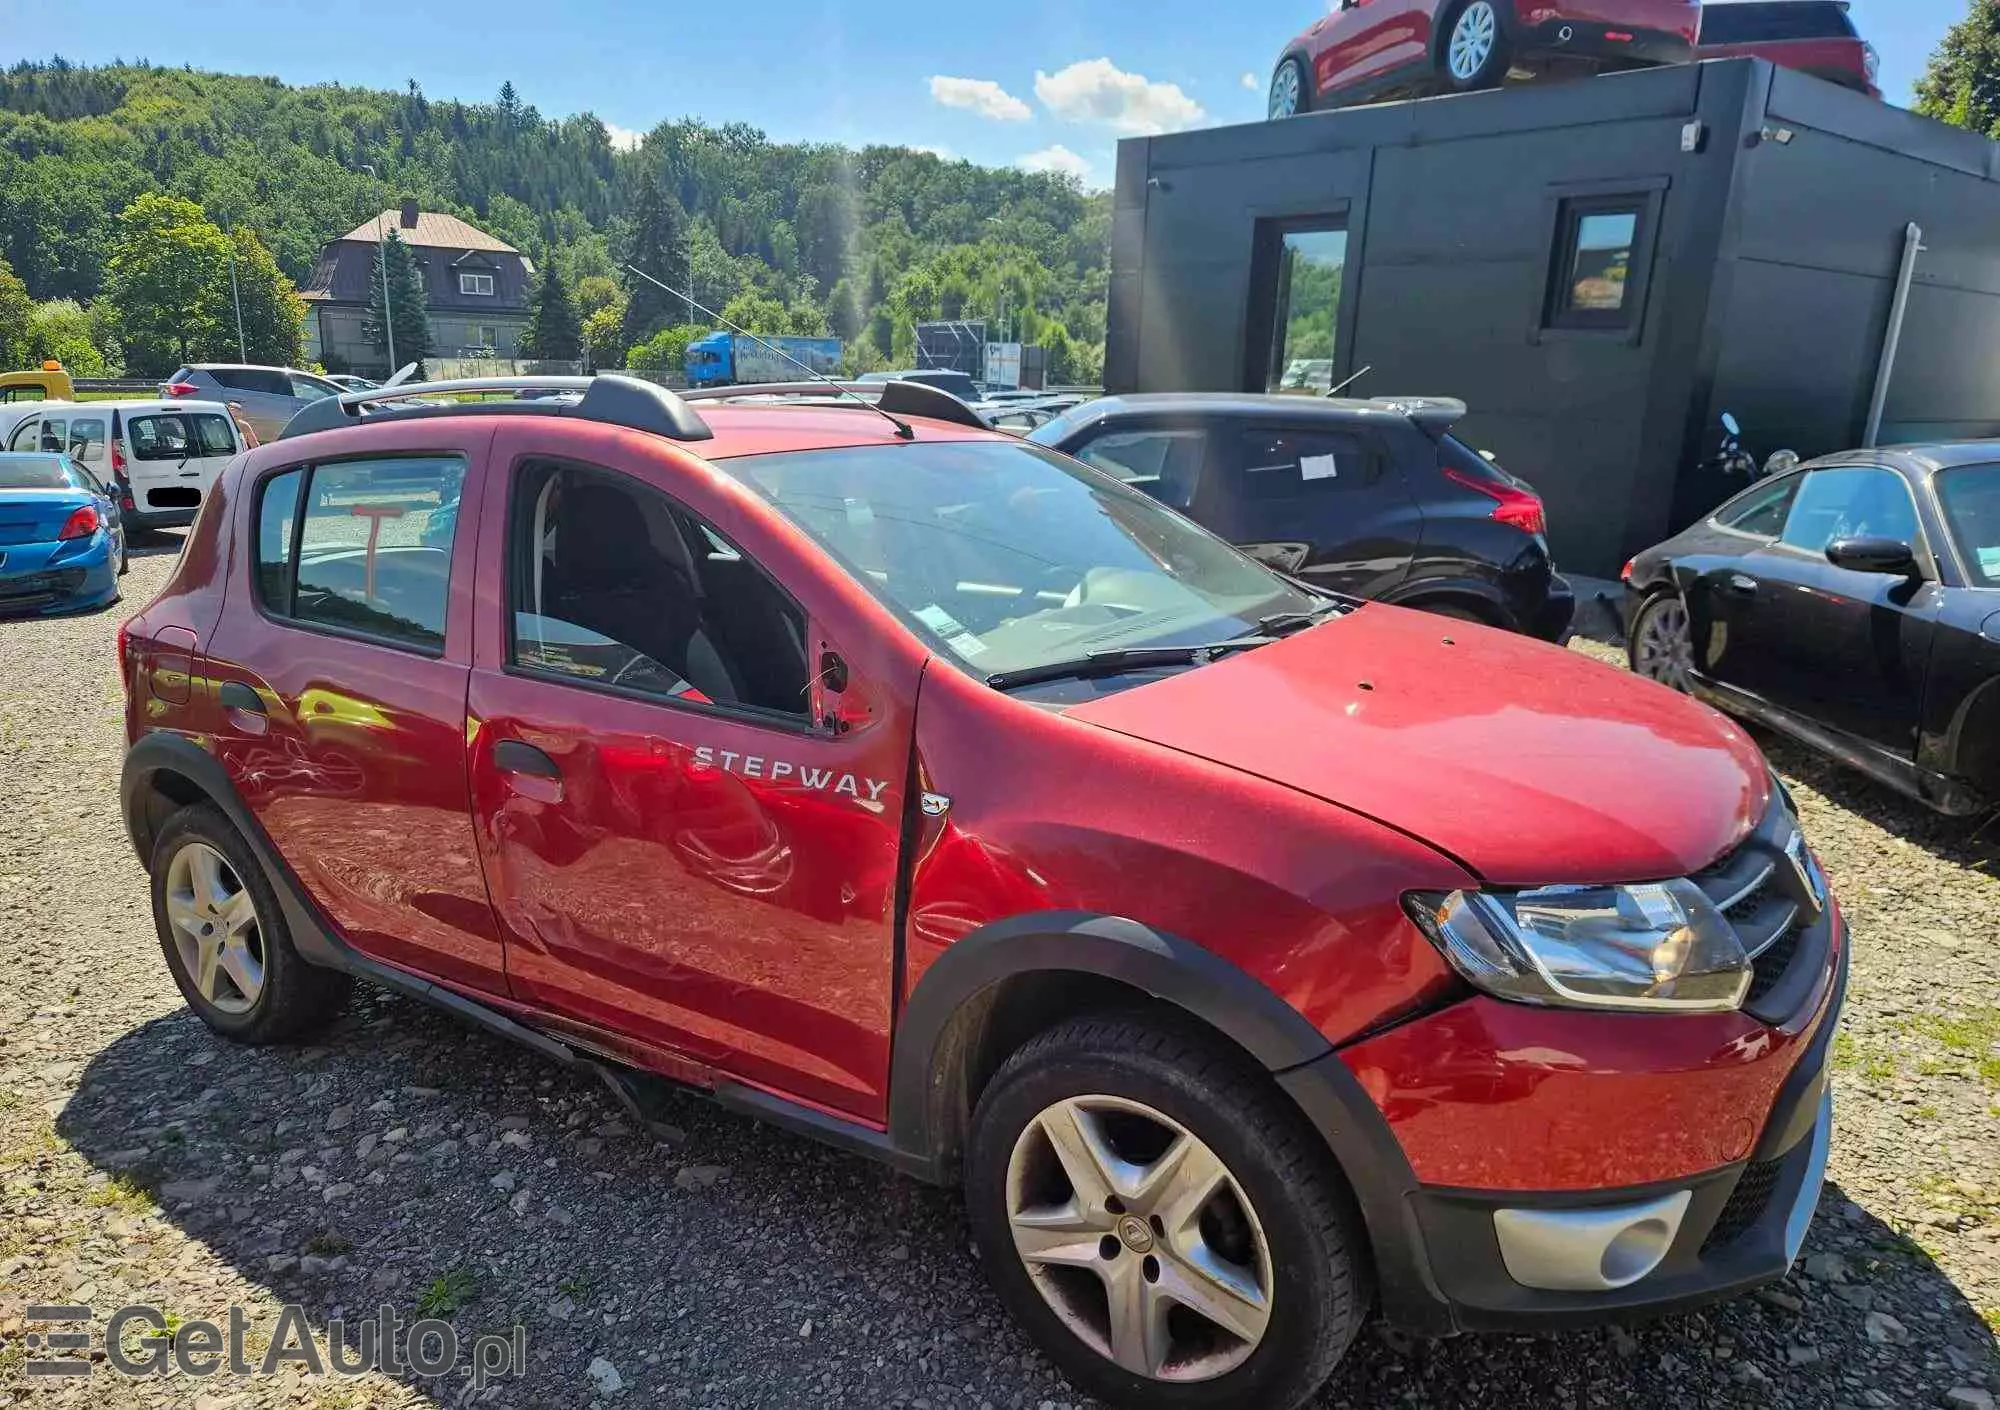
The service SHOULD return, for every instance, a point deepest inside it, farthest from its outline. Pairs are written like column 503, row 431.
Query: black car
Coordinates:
column 1372, row 498
column 1853, row 603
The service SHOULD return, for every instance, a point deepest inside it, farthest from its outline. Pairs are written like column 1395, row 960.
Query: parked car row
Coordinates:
column 1254, row 956
column 1367, row 50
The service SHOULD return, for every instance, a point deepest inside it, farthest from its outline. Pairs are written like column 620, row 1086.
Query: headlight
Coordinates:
column 1660, row 947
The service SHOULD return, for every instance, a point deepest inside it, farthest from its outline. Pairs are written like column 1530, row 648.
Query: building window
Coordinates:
column 1599, row 251
column 473, row 283
column 1301, row 267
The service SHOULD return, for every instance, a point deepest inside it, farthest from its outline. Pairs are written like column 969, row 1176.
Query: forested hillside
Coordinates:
column 806, row 236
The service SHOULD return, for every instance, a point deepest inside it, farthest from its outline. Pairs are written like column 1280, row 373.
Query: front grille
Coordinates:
column 1747, row 1203
column 1771, row 900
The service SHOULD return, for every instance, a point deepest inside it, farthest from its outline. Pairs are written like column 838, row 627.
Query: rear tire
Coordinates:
column 1291, row 90
column 1660, row 645
column 1474, row 52
column 225, row 939
column 1271, row 1247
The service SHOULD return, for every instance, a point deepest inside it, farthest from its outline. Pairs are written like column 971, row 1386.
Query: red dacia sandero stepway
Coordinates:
column 1257, row 958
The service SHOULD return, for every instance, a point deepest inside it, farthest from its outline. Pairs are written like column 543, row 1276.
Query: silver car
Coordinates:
column 269, row 396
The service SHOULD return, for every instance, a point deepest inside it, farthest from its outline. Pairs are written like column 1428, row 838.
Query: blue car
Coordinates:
column 62, row 539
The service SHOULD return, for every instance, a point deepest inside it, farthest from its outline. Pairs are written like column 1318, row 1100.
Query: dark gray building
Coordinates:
column 1599, row 268
column 475, row 290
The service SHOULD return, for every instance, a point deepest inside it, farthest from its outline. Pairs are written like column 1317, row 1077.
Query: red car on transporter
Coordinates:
column 1366, row 50
column 1255, row 956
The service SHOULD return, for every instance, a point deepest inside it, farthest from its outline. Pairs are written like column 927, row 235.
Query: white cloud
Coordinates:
column 1252, row 82
column 936, row 149
column 979, row 95
column 623, row 139
column 1097, row 90
column 1057, row 159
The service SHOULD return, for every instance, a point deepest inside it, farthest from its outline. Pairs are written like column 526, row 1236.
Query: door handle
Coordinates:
column 529, row 772
column 244, row 708
column 511, row 756
column 237, row 696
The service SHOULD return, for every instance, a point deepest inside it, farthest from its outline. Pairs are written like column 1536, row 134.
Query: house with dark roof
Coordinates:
column 475, row 290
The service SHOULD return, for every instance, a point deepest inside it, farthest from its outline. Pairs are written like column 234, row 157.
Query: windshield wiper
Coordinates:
column 1118, row 660
column 1285, row 623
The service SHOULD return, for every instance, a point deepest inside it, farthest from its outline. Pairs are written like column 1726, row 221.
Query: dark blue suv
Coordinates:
column 1374, row 498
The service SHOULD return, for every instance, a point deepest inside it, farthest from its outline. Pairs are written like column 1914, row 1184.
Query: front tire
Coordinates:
column 1163, row 1225
column 1291, row 92
column 1475, row 53
column 225, row 939
column 1660, row 645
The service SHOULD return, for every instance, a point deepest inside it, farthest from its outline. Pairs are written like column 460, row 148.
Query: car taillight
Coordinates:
column 1625, row 573
column 80, row 525
column 1871, row 62
column 180, row 389
column 1511, row 504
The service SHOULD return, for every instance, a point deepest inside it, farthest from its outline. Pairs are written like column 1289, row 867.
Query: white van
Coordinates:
column 162, row 455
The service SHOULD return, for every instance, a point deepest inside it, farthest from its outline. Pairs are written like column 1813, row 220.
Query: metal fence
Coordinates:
column 452, row 369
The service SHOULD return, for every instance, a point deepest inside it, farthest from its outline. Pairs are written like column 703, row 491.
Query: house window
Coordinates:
column 1600, row 247
column 470, row 282
column 1302, row 263
column 482, row 335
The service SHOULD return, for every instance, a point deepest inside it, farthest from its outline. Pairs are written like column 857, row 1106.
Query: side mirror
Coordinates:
column 1781, row 462
column 1873, row 555
column 1730, row 424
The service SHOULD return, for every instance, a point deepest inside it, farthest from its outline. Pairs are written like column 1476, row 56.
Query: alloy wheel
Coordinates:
column 1285, row 86
column 215, row 930
column 1139, row 1239
column 1472, row 40
column 1663, row 646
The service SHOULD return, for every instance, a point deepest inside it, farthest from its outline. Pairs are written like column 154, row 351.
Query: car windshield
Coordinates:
column 35, row 472
column 1011, row 558
column 1971, row 498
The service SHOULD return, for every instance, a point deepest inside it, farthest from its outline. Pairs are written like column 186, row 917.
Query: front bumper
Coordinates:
column 1440, row 1264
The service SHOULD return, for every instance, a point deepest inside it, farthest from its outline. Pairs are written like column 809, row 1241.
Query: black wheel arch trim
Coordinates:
column 1463, row 592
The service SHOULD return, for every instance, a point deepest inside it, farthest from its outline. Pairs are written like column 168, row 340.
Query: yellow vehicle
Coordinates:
column 46, row 383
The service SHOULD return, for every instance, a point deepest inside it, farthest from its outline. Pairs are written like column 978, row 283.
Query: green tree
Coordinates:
column 273, row 313
column 17, row 314
column 666, row 350
column 161, row 278
column 411, row 325
column 555, row 330
column 1962, row 84
column 61, row 329
column 758, row 313
column 659, row 247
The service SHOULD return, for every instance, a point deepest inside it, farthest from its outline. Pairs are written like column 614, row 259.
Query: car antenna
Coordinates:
column 1336, row 391
column 902, row 427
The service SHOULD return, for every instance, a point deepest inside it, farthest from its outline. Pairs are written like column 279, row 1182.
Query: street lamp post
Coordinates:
column 382, row 258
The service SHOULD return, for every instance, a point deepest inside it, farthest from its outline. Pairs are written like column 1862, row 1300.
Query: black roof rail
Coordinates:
column 896, row 397
column 631, row 402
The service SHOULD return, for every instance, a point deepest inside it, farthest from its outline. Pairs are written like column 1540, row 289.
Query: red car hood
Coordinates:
column 1529, row 764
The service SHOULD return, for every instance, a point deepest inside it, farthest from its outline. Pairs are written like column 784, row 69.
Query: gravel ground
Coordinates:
column 410, row 1162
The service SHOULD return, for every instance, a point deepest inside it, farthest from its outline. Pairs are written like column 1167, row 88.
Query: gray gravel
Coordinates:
column 407, row 1160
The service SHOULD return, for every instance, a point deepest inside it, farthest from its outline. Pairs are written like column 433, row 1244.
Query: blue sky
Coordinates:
column 1037, row 82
